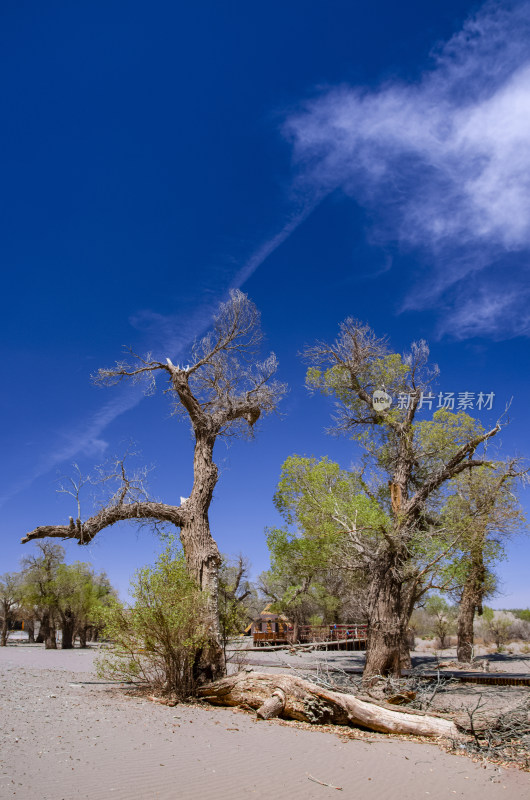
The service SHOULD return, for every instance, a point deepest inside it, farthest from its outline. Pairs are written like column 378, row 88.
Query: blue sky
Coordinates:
column 329, row 158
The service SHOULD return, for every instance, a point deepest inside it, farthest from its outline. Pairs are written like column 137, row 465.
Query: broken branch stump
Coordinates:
column 273, row 706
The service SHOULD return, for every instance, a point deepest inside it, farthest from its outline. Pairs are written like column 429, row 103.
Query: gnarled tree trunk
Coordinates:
column 4, row 633
column 50, row 642
column 29, row 627
column 225, row 388
column 83, row 635
column 202, row 555
column 47, row 632
column 67, row 628
column 386, row 648
column 470, row 601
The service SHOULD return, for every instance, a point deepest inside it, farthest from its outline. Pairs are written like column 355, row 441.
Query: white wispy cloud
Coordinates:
column 445, row 165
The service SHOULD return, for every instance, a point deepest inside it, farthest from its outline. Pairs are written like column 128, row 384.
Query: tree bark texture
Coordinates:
column 202, row 555
column 470, row 601
column 3, row 635
column 308, row 702
column 405, row 661
column 47, row 632
column 67, row 628
column 388, row 616
column 29, row 627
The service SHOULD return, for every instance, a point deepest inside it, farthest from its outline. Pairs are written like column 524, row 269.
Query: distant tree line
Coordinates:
column 48, row 595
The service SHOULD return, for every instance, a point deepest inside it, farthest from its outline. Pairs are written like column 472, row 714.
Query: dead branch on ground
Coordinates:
column 307, row 702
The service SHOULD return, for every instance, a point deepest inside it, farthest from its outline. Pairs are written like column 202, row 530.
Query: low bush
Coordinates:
column 158, row 641
column 496, row 626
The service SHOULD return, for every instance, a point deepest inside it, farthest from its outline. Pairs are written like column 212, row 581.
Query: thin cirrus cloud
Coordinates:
column 445, row 165
column 83, row 440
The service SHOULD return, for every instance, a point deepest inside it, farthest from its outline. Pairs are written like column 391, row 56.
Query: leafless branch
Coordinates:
column 73, row 485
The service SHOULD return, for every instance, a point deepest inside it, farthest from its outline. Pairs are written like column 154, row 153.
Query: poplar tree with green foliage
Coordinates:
column 80, row 596
column 39, row 591
column 484, row 508
column 9, row 600
column 404, row 472
column 309, row 573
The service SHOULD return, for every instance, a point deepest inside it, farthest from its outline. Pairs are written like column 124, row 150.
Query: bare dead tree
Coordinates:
column 237, row 587
column 223, row 392
column 237, row 597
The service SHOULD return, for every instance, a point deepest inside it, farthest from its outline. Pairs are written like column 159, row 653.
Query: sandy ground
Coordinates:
column 65, row 734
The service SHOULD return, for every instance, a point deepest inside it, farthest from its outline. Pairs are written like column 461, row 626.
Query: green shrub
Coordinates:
column 159, row 639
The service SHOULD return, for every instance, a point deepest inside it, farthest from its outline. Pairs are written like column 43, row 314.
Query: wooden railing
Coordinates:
column 314, row 633
column 332, row 633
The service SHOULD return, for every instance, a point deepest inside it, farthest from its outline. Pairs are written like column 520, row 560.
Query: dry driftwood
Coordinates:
column 307, row 702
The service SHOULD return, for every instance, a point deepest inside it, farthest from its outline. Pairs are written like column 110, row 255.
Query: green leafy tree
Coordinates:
column 39, row 591
column 278, row 586
column 9, row 600
column 160, row 638
column 405, row 469
column 311, row 574
column 99, row 593
column 80, row 595
column 483, row 507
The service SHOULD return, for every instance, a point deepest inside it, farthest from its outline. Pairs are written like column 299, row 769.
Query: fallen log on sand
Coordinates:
column 294, row 698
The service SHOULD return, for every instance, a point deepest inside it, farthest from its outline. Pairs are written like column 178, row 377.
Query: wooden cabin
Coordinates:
column 270, row 628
